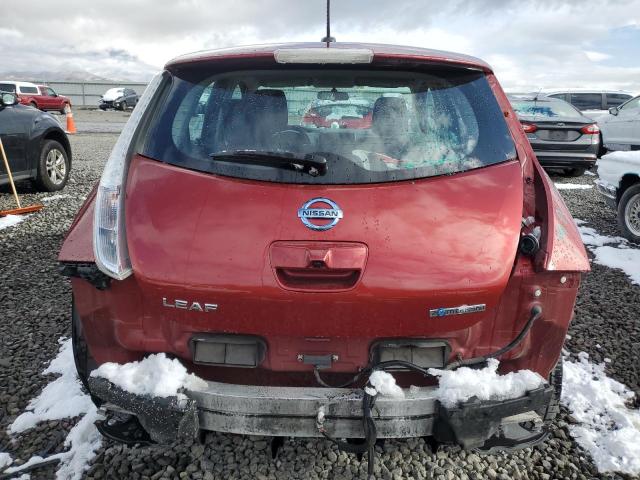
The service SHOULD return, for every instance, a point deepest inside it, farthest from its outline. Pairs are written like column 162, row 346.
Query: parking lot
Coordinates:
column 35, row 306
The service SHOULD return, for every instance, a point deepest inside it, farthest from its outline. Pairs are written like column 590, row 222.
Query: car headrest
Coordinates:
column 268, row 106
column 390, row 114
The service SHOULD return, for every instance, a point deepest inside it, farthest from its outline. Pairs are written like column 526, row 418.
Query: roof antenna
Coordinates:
column 328, row 39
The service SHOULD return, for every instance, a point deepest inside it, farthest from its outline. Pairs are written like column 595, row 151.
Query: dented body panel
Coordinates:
column 430, row 259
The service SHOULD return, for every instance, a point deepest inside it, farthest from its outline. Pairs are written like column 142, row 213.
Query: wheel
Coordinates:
column 63, row 110
column 629, row 213
column 53, row 167
column 34, row 105
column 574, row 172
column 123, row 106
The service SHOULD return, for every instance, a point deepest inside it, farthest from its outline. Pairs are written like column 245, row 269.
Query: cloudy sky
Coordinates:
column 530, row 44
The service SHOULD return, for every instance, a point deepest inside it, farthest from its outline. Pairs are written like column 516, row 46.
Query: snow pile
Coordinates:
column 5, row 460
column 592, row 238
column 486, row 384
column 155, row 375
column 63, row 398
column 609, row 430
column 572, row 186
column 622, row 256
column 11, row 220
column 383, row 383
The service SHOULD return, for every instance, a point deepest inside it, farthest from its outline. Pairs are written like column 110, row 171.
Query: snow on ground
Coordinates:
column 590, row 173
column 56, row 197
column 460, row 385
column 608, row 429
column 622, row 256
column 63, row 398
column 155, row 375
column 572, row 186
column 5, row 460
column 11, row 220
column 383, row 383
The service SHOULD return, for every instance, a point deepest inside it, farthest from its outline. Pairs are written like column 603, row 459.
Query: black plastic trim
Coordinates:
column 87, row 271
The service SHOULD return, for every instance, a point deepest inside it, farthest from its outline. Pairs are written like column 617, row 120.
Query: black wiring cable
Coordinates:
column 368, row 401
column 536, row 312
column 368, row 424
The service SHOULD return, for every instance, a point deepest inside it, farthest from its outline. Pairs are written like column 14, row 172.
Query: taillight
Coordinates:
column 109, row 236
column 590, row 129
column 528, row 127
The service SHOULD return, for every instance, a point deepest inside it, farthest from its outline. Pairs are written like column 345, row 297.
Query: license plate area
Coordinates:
column 423, row 353
column 245, row 351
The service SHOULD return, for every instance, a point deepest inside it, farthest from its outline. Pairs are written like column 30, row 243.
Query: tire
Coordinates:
column 123, row 106
column 574, row 172
column 34, row 105
column 629, row 213
column 53, row 167
column 63, row 110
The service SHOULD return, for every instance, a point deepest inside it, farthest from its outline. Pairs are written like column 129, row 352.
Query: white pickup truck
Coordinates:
column 619, row 183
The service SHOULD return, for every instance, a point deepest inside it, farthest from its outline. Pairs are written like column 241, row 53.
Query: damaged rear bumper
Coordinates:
column 293, row 412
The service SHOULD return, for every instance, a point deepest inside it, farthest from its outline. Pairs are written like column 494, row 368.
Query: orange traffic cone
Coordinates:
column 71, row 125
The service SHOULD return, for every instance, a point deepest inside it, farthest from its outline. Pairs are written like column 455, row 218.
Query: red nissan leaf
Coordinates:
column 286, row 264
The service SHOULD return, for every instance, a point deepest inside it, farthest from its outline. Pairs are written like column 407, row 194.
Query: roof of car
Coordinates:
column 19, row 84
column 551, row 91
column 379, row 51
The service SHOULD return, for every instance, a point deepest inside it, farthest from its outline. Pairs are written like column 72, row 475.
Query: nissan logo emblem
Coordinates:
column 316, row 216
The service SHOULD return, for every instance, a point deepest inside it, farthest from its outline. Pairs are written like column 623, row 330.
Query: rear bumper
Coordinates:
column 566, row 160
column 609, row 193
column 293, row 412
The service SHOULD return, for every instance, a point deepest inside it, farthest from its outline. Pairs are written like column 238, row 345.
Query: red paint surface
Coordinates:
column 430, row 243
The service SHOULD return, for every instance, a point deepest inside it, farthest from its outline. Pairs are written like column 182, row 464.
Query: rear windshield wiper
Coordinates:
column 310, row 163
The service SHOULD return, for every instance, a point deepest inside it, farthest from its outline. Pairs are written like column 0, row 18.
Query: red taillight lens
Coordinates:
column 590, row 129
column 528, row 127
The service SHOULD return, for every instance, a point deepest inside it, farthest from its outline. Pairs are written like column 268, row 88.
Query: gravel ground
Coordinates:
column 96, row 120
column 35, row 309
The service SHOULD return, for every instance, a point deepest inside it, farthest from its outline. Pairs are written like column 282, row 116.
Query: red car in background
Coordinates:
column 41, row 97
column 284, row 263
column 49, row 100
column 346, row 114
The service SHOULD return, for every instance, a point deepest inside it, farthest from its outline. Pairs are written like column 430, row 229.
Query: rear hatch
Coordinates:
column 417, row 214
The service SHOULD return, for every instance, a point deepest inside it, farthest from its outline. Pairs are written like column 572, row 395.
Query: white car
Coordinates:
column 592, row 103
column 619, row 183
column 621, row 126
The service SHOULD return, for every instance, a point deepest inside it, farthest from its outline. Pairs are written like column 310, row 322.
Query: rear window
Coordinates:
column 7, row 87
column 421, row 124
column 544, row 109
column 29, row 90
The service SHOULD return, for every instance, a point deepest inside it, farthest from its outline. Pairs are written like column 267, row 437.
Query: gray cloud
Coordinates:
column 530, row 42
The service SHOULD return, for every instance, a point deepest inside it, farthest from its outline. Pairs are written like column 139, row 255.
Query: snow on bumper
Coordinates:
column 293, row 412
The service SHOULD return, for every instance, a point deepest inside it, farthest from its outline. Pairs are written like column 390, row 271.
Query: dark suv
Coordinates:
column 292, row 267
column 118, row 99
